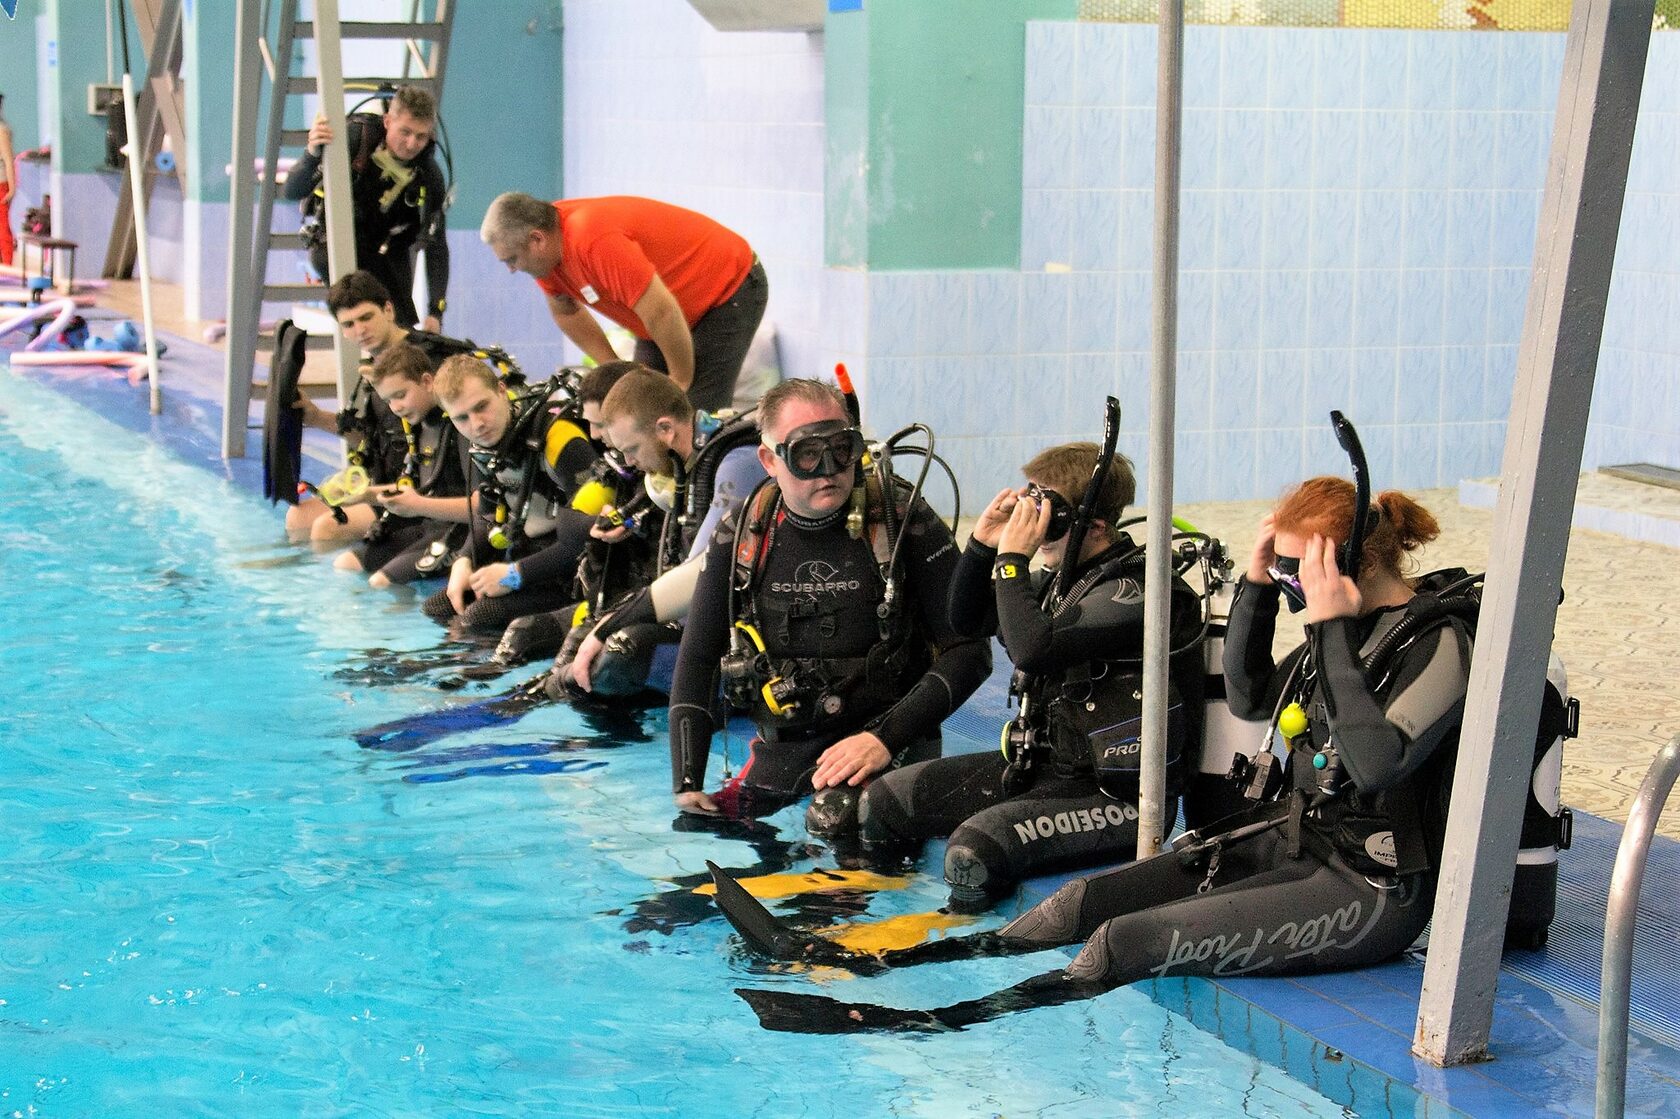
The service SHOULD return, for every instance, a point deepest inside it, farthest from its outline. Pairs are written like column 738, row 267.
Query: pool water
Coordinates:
column 215, row 902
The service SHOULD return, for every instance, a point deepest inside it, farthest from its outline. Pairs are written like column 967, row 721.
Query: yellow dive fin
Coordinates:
column 813, row 882
column 903, row 931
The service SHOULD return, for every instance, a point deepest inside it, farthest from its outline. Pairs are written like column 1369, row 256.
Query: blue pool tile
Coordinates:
column 1475, row 68
column 1383, row 78
column 1460, row 454
column 1138, row 88
column 1243, row 157
column 1243, row 81
column 1046, row 228
column 1336, row 64
column 1379, row 233
column 1232, row 468
column 1513, row 218
column 1429, row 70
column 1050, row 62
column 1098, row 135
column 1196, row 407
column 1372, row 386
column 1236, row 386
column 1528, row 79
column 1521, row 141
column 1417, row 460
column 1099, row 64
column 1420, row 307
column 1288, row 150
column 1285, row 313
column 1376, row 313
column 1335, row 227
column 1133, row 310
column 1382, row 150
column 942, row 314
column 1469, row 228
column 1428, row 162
column 996, row 312
column 1137, row 167
column 1423, row 223
column 1291, row 69
column 1507, row 301
column 1136, row 229
column 1329, row 381
column 1044, row 312
column 1195, row 310
column 1472, row 139
column 1278, row 460
column 1462, row 400
column 893, row 301
column 1093, row 297
column 1418, row 385
column 1240, row 227
column 1465, row 305
column 1047, row 145
column 1096, row 217
column 1201, row 67
column 1335, row 154
column 1330, row 315
column 1198, row 229
column 1201, row 153
column 1286, row 229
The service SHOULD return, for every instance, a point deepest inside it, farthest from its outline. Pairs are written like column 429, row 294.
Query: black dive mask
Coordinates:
column 1286, row 573
column 1061, row 510
column 821, row 450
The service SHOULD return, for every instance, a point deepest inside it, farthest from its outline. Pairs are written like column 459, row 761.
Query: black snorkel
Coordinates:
column 1088, row 503
column 1363, row 517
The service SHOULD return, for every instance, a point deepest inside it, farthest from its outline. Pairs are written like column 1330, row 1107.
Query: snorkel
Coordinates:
column 1088, row 502
column 1354, row 549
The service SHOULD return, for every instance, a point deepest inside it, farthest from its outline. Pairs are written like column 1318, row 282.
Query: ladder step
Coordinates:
column 294, row 137
column 306, row 83
column 293, row 293
column 429, row 31
column 287, row 242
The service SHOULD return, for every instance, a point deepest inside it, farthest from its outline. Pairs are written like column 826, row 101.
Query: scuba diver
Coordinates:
column 423, row 515
column 702, row 466
column 821, row 607
column 1338, row 870
column 539, row 494
column 1062, row 792
column 371, row 431
column 398, row 197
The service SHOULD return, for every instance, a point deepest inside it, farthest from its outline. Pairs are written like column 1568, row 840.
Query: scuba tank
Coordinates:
column 1231, row 747
column 1547, row 824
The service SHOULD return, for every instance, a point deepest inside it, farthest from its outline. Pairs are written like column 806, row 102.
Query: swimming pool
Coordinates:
column 216, row 903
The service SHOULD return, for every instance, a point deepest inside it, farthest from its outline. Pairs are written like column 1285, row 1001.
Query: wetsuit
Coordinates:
column 374, row 434
column 528, row 483
column 1342, row 880
column 637, row 644
column 1051, row 810
column 404, row 549
column 814, row 589
column 396, row 208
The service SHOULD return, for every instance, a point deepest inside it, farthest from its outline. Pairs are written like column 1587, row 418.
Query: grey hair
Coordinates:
column 512, row 215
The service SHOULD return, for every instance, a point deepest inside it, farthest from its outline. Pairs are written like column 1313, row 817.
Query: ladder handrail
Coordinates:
column 1620, row 916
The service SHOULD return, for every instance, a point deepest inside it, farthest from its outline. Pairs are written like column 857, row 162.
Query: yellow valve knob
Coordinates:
column 1293, row 721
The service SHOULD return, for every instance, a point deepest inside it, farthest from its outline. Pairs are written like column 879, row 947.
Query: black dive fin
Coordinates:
column 770, row 939
column 791, row 1012
column 413, row 731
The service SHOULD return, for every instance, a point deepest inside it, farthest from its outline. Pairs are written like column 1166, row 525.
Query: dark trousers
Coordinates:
column 721, row 339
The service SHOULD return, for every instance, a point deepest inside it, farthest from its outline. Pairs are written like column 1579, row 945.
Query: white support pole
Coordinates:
column 1580, row 215
column 335, row 166
column 243, row 284
column 1163, row 379
column 142, row 255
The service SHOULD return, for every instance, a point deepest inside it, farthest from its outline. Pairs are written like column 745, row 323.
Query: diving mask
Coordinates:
column 1061, row 510
column 1286, row 573
column 821, row 450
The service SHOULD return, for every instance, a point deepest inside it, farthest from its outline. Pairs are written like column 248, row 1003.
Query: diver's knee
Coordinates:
column 833, row 811
column 976, row 871
column 1055, row 920
column 378, row 580
column 347, row 561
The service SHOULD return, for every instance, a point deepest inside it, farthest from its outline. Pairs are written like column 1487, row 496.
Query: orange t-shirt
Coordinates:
column 611, row 248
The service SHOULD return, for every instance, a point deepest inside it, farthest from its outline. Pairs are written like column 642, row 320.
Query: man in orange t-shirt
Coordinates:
column 690, row 290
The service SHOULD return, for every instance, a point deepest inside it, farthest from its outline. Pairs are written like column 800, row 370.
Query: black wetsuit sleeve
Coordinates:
column 639, row 610
column 960, row 665
column 557, row 562
column 705, row 639
column 302, row 178
column 1381, row 742
column 971, row 604
column 1106, row 622
column 1252, row 682
column 435, row 240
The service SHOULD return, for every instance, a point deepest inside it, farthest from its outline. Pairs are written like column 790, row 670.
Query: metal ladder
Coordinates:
column 160, row 112
column 1616, row 973
column 251, row 240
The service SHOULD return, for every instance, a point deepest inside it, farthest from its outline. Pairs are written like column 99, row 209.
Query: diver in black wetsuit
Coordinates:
column 537, row 500
column 1043, row 805
column 840, row 650
column 424, row 514
column 1339, row 872
column 398, row 197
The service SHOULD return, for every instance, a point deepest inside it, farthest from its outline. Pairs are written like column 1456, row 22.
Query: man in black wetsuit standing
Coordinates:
column 397, row 200
column 786, row 611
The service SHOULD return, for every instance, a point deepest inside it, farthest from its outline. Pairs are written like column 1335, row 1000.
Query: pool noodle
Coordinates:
column 62, row 310
column 135, row 363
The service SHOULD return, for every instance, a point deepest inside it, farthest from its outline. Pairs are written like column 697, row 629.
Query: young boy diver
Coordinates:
column 1062, row 793
column 424, row 513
